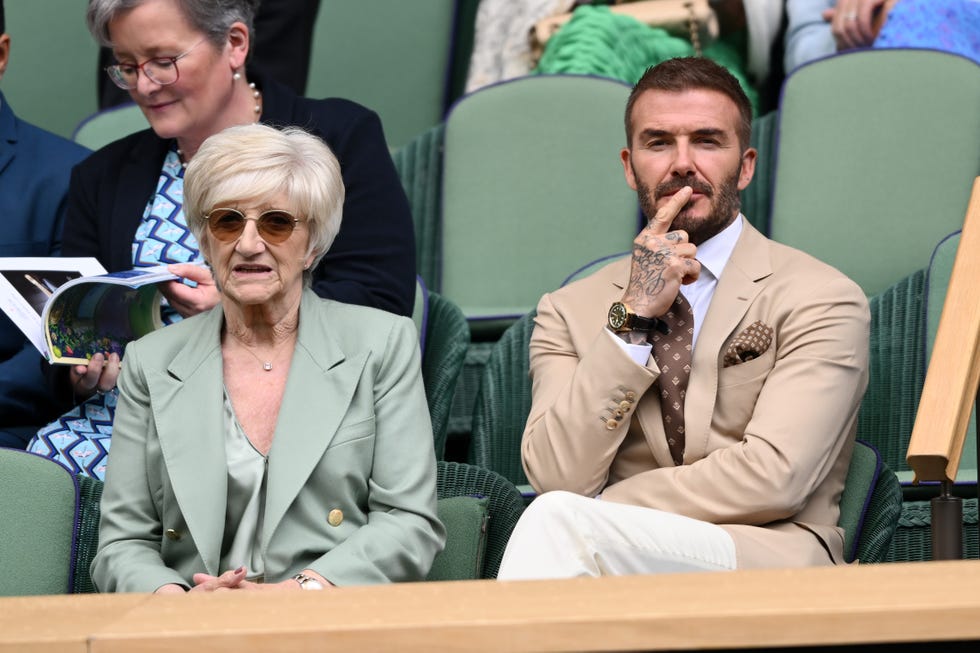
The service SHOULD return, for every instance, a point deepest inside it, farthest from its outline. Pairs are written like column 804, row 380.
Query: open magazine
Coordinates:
column 70, row 309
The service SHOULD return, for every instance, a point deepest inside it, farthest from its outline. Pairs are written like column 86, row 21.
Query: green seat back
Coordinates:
column 109, row 125
column 869, row 506
column 877, row 154
column 50, row 81
column 532, row 186
column 593, row 266
column 896, row 370
column 937, row 282
column 503, row 403
column 389, row 55
column 420, row 310
column 87, row 536
column 37, row 525
column 757, row 196
column 443, row 339
column 504, row 508
column 446, row 342
column 419, row 166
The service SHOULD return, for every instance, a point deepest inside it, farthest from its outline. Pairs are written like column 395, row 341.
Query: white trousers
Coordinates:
column 564, row 535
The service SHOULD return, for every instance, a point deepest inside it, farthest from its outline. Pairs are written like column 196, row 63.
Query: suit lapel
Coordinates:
column 736, row 290
column 194, row 449
column 137, row 184
column 321, row 385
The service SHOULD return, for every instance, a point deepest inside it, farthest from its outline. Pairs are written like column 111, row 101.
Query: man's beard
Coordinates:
column 725, row 204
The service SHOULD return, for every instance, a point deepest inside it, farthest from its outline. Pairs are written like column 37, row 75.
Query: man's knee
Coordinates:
column 556, row 506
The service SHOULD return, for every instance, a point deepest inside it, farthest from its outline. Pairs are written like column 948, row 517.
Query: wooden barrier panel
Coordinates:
column 950, row 387
column 886, row 603
column 62, row 624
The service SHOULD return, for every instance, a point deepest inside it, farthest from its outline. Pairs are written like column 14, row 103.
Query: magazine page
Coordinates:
column 26, row 284
column 103, row 314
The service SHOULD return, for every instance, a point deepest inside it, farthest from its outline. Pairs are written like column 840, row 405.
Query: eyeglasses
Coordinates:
column 275, row 226
column 160, row 70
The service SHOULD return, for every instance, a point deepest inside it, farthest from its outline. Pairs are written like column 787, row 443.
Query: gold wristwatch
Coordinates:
column 621, row 319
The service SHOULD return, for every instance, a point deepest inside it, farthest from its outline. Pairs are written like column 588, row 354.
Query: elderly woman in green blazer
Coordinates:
column 279, row 440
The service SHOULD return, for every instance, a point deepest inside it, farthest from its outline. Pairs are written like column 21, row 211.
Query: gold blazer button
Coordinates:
column 612, row 424
column 631, row 396
column 335, row 517
column 173, row 534
column 625, row 406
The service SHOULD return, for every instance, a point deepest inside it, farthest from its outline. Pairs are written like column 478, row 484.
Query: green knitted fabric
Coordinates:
column 597, row 41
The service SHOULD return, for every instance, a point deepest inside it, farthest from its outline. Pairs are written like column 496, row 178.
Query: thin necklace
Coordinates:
column 256, row 95
column 266, row 365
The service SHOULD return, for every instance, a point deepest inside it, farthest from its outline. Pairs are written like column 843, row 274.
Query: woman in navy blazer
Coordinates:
column 183, row 63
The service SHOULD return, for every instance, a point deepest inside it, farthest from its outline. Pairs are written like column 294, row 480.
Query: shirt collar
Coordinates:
column 713, row 254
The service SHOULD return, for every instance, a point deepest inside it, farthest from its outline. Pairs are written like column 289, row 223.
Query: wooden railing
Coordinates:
column 950, row 388
column 951, row 382
column 905, row 605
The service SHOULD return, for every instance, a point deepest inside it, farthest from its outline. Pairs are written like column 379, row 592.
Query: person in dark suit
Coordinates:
column 184, row 64
column 34, row 171
column 309, row 461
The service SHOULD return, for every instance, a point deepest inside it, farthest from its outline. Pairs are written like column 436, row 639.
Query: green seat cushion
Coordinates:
column 465, row 519
column 37, row 514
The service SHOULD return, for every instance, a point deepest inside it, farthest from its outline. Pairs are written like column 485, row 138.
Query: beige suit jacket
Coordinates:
column 768, row 441
column 353, row 439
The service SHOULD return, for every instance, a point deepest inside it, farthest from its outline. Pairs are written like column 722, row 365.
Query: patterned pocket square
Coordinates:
column 749, row 344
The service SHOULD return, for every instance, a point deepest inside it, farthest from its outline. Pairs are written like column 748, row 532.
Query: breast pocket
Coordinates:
column 349, row 433
column 751, row 370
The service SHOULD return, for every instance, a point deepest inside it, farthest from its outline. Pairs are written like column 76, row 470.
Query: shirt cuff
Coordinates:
column 639, row 353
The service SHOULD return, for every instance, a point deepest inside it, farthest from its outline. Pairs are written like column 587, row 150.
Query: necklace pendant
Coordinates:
column 267, row 366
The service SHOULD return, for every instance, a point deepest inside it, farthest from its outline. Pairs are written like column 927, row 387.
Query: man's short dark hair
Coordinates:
column 3, row 21
column 691, row 73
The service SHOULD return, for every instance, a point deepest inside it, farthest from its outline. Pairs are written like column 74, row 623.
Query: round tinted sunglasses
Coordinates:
column 275, row 226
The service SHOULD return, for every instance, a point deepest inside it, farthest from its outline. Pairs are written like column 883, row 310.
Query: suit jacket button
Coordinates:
column 612, row 424
column 625, row 406
column 335, row 517
column 173, row 535
column 631, row 396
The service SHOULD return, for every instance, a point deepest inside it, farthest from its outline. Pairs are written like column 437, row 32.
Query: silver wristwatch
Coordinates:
column 307, row 582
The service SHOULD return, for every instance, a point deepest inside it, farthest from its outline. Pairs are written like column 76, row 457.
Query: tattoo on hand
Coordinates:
column 648, row 268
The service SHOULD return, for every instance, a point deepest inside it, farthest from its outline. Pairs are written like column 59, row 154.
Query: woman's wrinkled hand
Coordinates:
column 231, row 579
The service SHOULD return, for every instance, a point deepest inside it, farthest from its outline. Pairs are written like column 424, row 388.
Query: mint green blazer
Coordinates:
column 353, row 436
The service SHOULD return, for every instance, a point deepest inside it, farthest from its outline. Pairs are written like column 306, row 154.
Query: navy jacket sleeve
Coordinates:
column 372, row 261
column 34, row 168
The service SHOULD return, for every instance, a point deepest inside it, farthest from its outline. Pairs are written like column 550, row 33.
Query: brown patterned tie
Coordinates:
column 672, row 352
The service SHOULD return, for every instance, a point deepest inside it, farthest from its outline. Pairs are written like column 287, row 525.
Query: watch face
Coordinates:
column 617, row 316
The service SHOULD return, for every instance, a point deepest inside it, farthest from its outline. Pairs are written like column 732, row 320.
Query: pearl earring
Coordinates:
column 237, row 76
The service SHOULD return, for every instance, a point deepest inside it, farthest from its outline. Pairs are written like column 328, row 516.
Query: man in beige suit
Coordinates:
column 664, row 443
